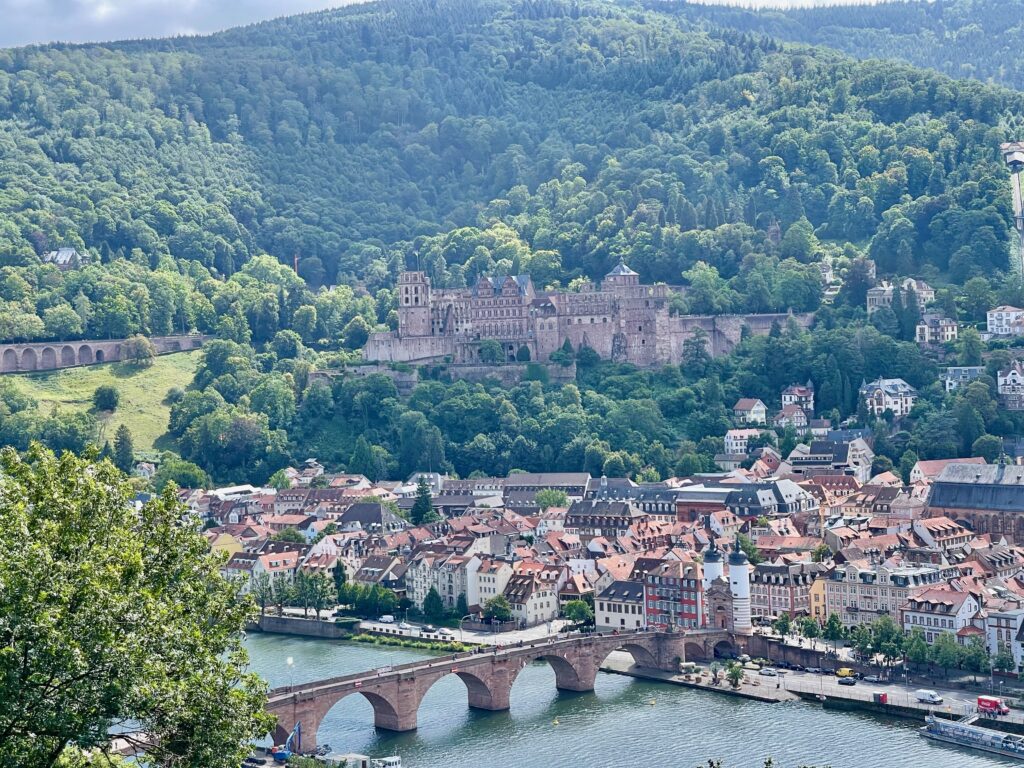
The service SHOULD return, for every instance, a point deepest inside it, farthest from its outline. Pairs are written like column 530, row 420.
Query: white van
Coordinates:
column 926, row 696
column 387, row 619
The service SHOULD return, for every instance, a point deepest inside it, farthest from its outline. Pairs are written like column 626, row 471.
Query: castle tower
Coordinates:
column 714, row 566
column 739, row 585
column 414, row 304
column 620, row 277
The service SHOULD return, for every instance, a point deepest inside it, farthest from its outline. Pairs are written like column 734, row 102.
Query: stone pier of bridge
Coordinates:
column 395, row 693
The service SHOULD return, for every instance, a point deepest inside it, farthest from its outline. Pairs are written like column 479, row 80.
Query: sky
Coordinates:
column 23, row 22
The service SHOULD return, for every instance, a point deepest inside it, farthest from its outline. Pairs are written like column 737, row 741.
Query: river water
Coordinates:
column 622, row 724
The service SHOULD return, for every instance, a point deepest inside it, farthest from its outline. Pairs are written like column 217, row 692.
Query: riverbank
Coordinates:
column 622, row 664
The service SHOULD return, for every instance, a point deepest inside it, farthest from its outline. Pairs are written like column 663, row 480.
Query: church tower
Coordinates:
column 414, row 304
column 739, row 585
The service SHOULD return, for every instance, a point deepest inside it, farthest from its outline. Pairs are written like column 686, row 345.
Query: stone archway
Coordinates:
column 567, row 676
column 312, row 713
column 48, row 359
column 100, row 355
column 67, row 356
column 724, row 649
column 29, row 360
column 642, row 657
column 85, row 355
column 491, row 695
column 10, row 361
column 695, row 652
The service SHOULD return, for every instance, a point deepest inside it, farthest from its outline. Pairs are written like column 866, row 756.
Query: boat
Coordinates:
column 360, row 761
column 964, row 733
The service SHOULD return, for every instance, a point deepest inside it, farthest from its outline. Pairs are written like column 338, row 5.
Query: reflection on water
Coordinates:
column 623, row 723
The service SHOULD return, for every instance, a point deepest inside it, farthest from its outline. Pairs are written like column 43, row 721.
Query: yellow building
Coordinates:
column 224, row 542
column 818, row 600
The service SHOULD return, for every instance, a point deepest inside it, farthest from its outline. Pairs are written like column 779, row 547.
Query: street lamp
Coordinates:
column 462, row 635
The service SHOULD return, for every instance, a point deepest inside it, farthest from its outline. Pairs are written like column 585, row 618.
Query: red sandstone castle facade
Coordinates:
column 621, row 320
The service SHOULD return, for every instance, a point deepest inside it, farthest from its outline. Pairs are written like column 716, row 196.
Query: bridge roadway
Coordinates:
column 395, row 692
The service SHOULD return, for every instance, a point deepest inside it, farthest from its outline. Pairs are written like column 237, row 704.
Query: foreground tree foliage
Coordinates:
column 111, row 615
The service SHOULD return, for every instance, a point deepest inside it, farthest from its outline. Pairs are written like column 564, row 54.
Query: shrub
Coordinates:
column 106, row 398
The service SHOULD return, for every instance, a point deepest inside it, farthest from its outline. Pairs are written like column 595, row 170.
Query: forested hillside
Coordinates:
column 462, row 137
column 589, row 131
column 961, row 38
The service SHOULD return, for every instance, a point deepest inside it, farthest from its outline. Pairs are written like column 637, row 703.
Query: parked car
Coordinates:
column 404, row 625
column 387, row 619
column 847, row 681
column 768, row 672
column 446, row 632
column 872, row 679
column 813, row 670
column 429, row 628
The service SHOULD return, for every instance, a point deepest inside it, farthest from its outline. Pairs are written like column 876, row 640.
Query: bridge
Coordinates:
column 395, row 693
column 50, row 355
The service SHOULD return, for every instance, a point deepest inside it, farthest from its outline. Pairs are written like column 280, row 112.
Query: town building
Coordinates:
column 800, row 395
column 791, row 416
column 749, row 410
column 883, row 395
column 957, row 376
column 929, row 470
column 882, row 295
column 1010, row 384
column 736, row 440
column 935, row 329
column 620, row 606
column 533, row 599
column 621, row 320
column 65, row 258
column 591, row 518
column 674, row 595
column 1006, row 628
column 780, row 587
column 860, row 591
column 935, row 611
column 1005, row 321
column 987, row 498
column 833, row 457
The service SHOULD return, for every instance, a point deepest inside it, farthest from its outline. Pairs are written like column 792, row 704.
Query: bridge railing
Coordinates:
column 510, row 649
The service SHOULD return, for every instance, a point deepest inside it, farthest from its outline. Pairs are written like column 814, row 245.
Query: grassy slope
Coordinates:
column 142, row 390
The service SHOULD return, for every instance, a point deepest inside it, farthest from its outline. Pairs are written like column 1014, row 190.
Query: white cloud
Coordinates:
column 23, row 22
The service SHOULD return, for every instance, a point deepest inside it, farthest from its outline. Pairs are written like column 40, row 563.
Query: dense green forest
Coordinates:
column 979, row 39
column 465, row 137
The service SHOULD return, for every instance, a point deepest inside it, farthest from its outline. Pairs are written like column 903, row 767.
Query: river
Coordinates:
column 622, row 724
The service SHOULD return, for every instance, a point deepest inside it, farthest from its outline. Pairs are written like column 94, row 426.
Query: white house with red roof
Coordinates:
column 750, row 410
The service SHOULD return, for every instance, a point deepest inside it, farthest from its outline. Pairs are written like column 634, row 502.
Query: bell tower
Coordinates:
column 414, row 304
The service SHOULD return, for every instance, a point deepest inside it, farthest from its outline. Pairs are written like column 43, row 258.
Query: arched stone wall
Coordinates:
column 45, row 356
column 29, row 359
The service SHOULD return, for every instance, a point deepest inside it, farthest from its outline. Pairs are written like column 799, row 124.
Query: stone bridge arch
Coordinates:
column 67, row 356
column 85, row 356
column 311, row 713
column 9, row 363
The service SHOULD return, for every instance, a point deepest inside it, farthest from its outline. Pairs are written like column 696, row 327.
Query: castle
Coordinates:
column 621, row 320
